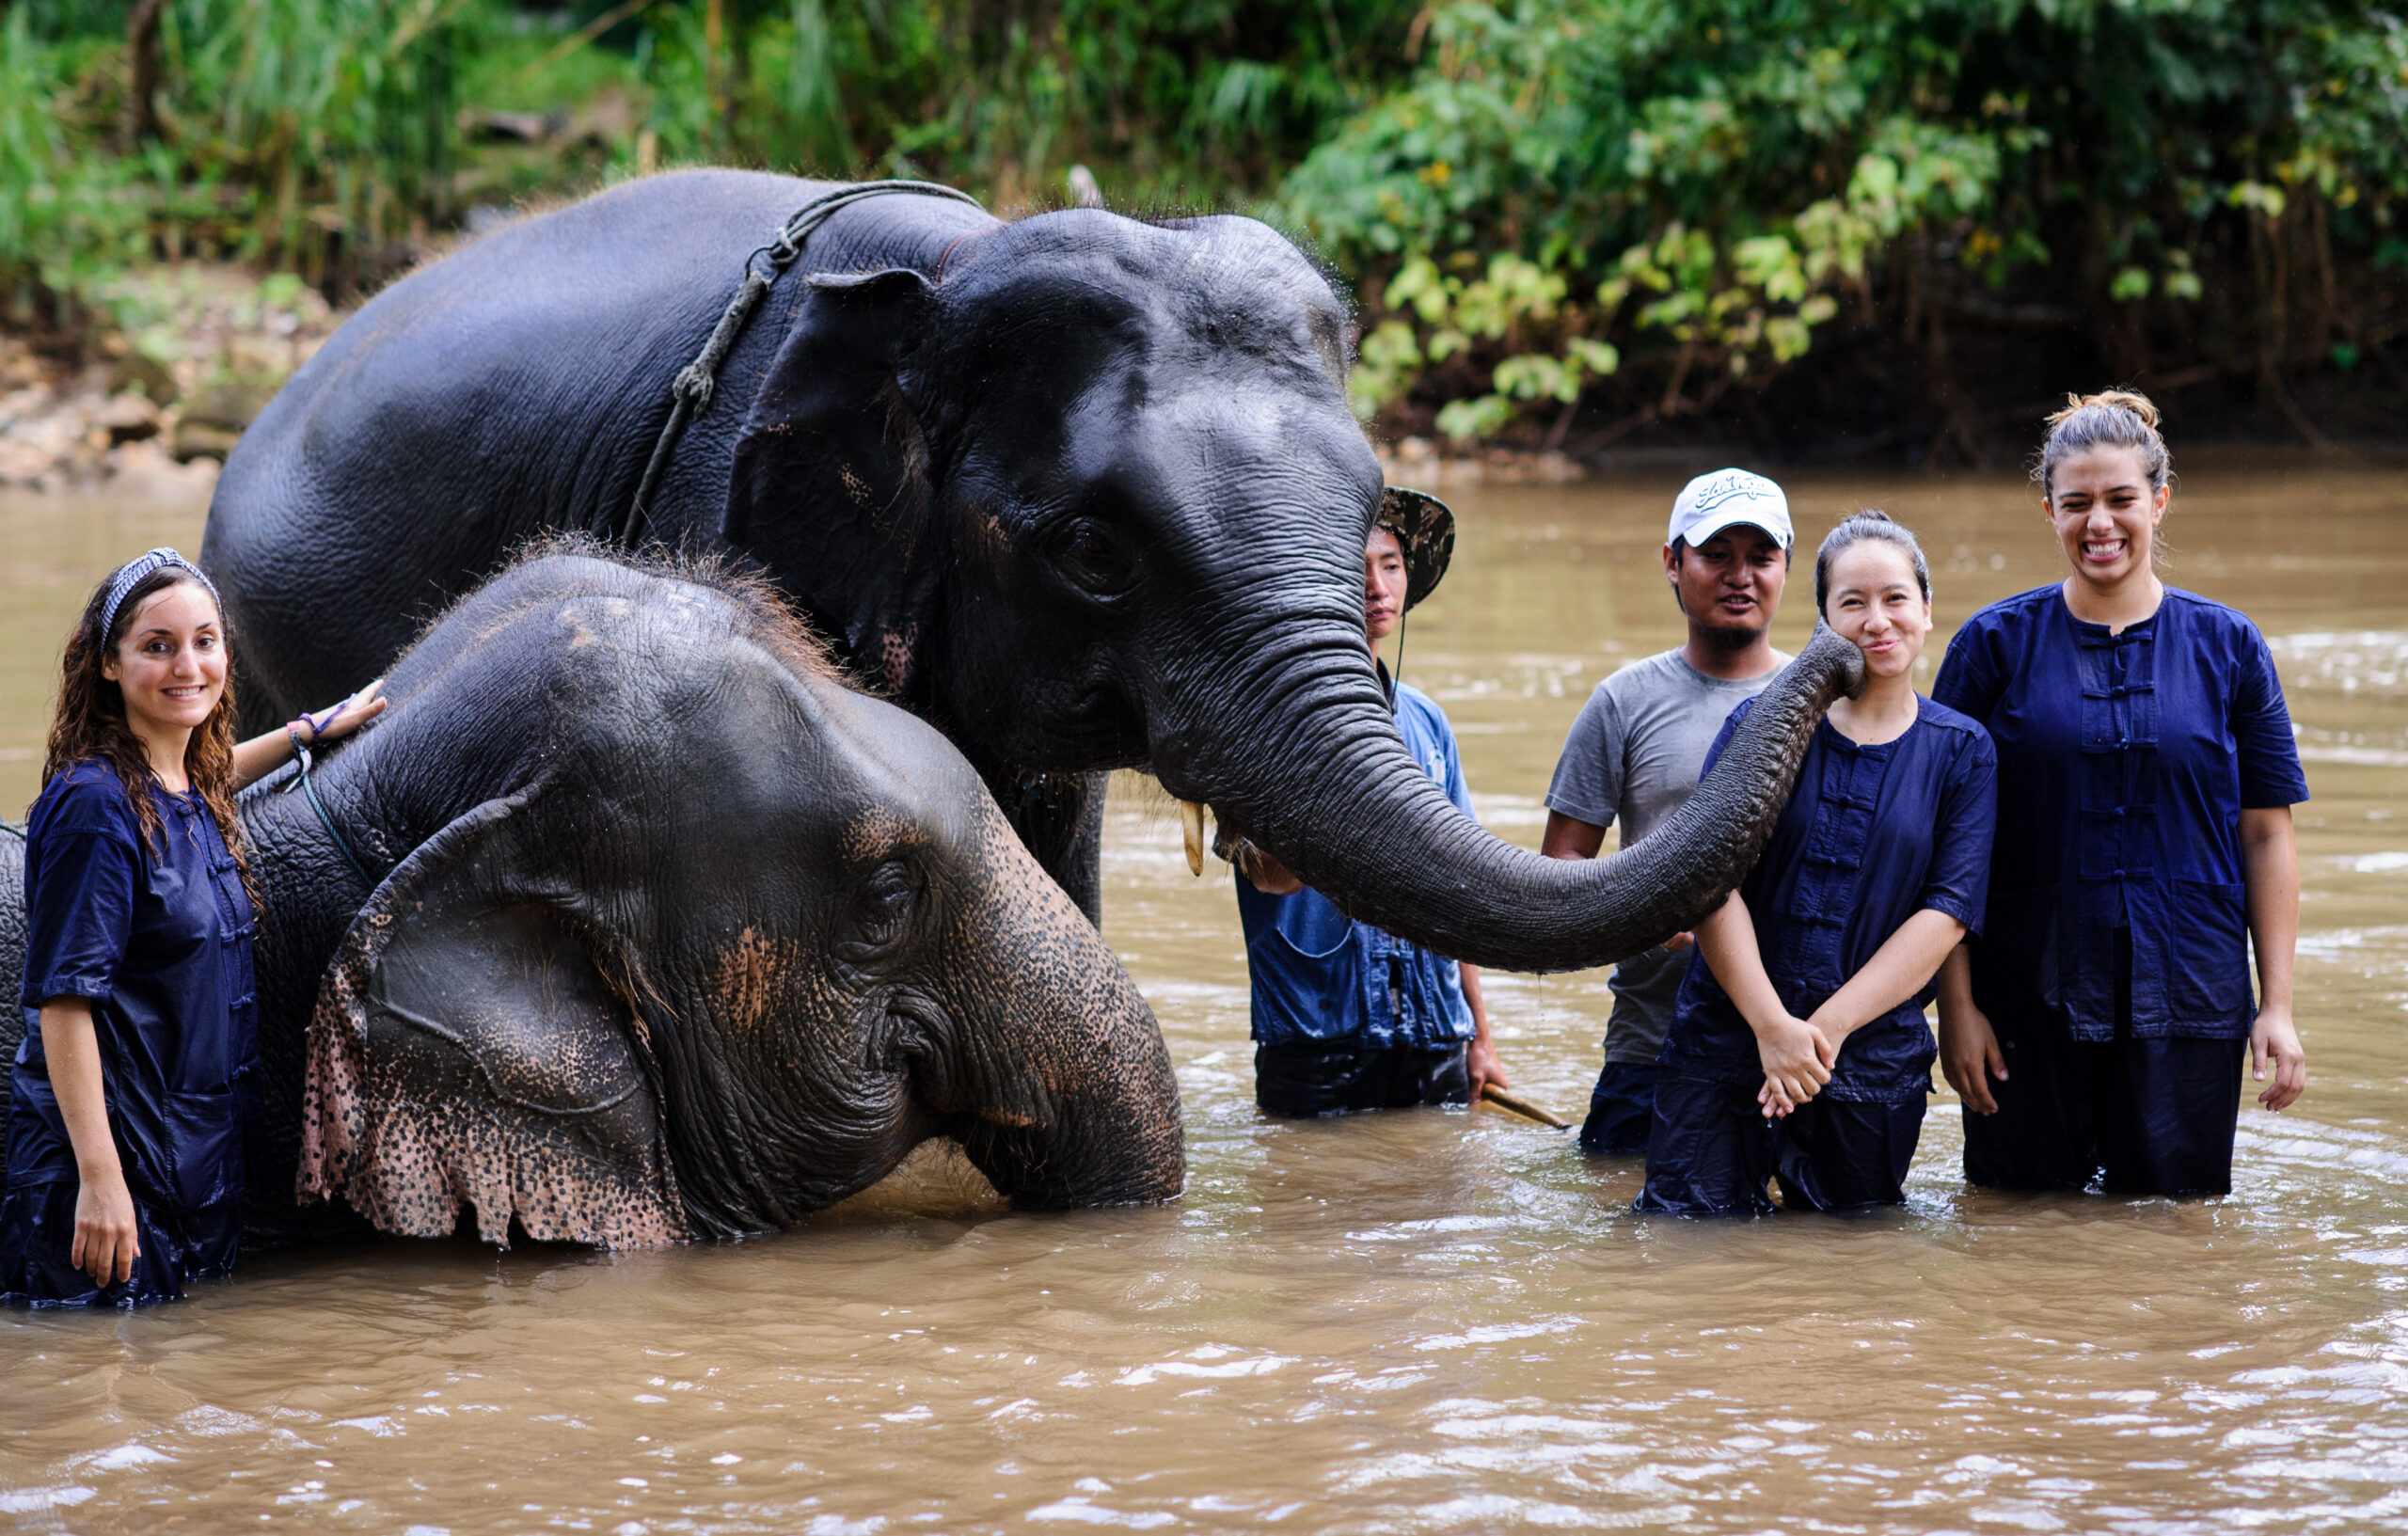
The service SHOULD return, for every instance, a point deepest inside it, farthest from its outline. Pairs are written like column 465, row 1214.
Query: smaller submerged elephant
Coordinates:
column 629, row 923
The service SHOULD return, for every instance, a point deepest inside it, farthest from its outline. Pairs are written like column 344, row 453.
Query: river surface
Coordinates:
column 1429, row 1321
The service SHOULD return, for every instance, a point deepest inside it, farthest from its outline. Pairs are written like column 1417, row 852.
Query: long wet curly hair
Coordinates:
column 91, row 725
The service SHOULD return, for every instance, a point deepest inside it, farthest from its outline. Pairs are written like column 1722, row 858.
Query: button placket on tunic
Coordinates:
column 1833, row 878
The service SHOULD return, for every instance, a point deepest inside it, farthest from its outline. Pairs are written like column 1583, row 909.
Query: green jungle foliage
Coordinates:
column 1616, row 214
column 1658, row 201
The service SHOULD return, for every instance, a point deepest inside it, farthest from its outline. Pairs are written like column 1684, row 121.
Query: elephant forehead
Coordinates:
column 879, row 832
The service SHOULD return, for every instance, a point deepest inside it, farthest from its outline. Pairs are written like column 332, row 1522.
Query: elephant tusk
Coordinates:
column 1191, row 833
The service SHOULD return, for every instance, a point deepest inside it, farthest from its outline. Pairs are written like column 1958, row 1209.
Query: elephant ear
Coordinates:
column 468, row 1046
column 829, row 487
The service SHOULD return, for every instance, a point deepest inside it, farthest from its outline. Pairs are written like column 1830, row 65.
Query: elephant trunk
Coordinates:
column 1353, row 816
column 1058, row 1085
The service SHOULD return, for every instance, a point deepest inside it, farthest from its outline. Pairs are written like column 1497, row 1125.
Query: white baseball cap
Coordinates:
column 1729, row 498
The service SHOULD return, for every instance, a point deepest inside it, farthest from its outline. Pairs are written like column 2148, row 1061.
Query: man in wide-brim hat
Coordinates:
column 1345, row 1017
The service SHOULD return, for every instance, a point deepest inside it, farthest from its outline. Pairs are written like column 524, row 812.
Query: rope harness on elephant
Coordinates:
column 301, row 767
column 689, row 395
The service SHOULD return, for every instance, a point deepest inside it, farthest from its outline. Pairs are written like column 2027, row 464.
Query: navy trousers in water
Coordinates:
column 2142, row 1116
column 1303, row 1080
column 1621, row 1108
column 1710, row 1151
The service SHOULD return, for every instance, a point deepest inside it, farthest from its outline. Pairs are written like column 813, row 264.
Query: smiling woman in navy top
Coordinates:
column 1797, row 1049
column 2145, row 778
column 126, row 1107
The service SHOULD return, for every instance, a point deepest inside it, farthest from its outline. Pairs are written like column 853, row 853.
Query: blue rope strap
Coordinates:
column 301, row 758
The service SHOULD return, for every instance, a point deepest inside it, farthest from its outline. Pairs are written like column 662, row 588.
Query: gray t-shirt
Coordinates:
column 1633, row 756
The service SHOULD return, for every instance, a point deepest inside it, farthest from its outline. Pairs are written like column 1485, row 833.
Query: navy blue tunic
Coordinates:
column 1321, row 977
column 2125, row 762
column 1871, row 836
column 159, row 938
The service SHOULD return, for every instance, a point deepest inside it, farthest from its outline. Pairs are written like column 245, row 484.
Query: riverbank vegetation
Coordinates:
column 1815, row 227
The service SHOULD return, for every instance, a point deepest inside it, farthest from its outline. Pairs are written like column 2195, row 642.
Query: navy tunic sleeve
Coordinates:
column 1958, row 880
column 80, row 889
column 2261, row 730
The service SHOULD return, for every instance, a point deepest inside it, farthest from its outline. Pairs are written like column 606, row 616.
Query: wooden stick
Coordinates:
column 1502, row 1100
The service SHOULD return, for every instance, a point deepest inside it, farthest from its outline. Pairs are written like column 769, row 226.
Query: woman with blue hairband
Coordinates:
column 126, row 1115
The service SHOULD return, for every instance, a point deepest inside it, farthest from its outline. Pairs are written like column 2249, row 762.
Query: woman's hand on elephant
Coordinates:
column 1793, row 1052
column 342, row 720
column 2275, row 1038
column 1969, row 1056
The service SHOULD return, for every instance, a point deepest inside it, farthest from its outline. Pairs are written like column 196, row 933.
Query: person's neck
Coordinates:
column 2120, row 607
column 164, row 747
column 1881, row 713
column 1713, row 655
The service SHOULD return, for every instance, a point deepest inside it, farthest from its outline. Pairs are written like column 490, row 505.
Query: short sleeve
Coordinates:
column 1722, row 737
column 2261, row 731
column 80, row 884
column 1958, row 880
column 1588, row 777
column 1970, row 681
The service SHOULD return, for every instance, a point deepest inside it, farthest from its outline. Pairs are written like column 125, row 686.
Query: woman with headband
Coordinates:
column 126, row 1115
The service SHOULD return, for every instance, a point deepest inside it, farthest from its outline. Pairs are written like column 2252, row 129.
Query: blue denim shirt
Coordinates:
column 1871, row 836
column 160, row 939
column 1323, row 977
column 2125, row 762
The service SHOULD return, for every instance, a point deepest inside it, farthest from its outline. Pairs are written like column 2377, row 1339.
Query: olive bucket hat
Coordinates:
column 1425, row 531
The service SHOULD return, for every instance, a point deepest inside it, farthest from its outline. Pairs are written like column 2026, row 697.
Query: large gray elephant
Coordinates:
column 629, row 923
column 1081, row 490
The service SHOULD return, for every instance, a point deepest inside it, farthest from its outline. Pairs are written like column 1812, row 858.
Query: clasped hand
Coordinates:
column 1797, row 1057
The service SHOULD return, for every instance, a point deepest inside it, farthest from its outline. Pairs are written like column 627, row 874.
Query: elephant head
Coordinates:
column 1097, row 499
column 691, row 940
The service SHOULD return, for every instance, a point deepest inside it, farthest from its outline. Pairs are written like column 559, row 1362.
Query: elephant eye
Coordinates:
column 883, row 909
column 1090, row 555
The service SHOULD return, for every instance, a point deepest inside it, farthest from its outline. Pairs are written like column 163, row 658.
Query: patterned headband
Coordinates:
column 139, row 569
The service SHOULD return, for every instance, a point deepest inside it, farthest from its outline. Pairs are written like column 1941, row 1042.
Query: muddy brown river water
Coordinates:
column 1429, row 1321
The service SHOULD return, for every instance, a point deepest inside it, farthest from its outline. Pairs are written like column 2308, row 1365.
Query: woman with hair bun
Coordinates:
column 126, row 1109
column 1797, row 1049
column 2095, row 1030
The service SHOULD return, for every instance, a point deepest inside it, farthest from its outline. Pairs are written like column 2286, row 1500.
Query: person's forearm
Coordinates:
column 1894, row 973
column 1470, row 975
column 260, row 756
column 1728, row 941
column 2270, row 867
column 1954, row 985
column 73, row 1048
column 1567, row 837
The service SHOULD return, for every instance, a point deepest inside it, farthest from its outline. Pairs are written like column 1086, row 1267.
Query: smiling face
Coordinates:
column 1384, row 583
column 169, row 661
column 2105, row 513
column 1876, row 605
column 1729, row 586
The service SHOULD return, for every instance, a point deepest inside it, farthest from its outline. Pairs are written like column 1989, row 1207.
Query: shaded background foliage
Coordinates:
column 1819, row 227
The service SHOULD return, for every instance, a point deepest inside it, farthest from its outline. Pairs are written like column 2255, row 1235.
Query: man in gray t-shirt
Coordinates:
column 1635, row 753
